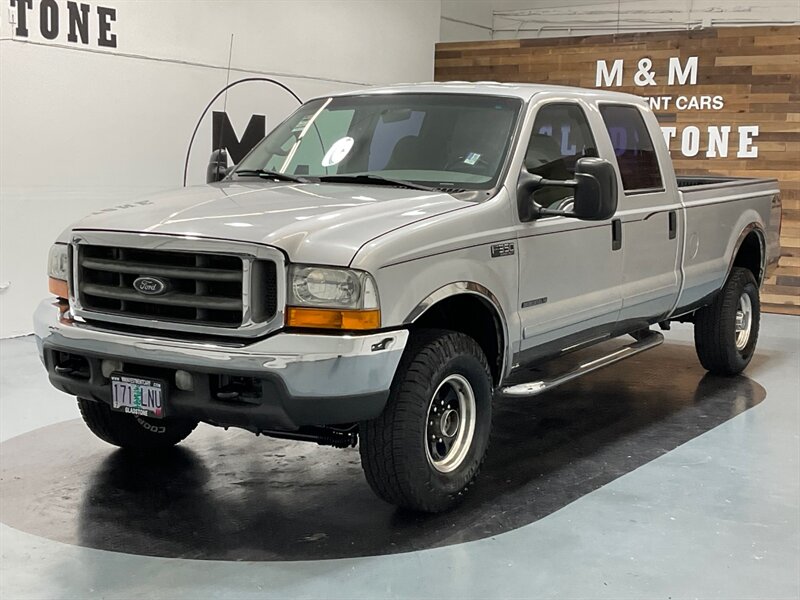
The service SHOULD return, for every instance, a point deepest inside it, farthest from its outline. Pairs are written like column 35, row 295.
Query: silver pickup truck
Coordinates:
column 386, row 262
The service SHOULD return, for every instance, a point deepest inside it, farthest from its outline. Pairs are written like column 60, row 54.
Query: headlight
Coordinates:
column 331, row 298
column 58, row 270
column 331, row 288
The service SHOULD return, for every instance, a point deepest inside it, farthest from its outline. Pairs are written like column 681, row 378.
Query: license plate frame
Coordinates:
column 140, row 396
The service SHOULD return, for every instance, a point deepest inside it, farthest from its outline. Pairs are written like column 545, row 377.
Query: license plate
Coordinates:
column 138, row 396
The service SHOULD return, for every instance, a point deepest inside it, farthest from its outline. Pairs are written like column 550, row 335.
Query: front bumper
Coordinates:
column 304, row 379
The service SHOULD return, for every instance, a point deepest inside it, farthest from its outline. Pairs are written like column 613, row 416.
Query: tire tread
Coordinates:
column 714, row 327
column 122, row 430
column 387, row 440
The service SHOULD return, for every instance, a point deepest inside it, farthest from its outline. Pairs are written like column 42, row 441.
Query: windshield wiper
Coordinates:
column 266, row 174
column 374, row 180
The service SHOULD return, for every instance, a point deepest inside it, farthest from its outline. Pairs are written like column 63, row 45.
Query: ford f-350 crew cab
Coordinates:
column 386, row 262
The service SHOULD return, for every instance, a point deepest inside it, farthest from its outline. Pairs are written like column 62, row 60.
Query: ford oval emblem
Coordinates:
column 150, row 286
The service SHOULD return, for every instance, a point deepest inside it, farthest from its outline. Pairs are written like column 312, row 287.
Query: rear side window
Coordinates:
column 636, row 157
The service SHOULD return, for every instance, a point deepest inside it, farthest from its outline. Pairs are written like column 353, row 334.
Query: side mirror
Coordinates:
column 217, row 166
column 595, row 187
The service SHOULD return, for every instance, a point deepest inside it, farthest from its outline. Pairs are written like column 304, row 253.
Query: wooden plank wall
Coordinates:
column 756, row 71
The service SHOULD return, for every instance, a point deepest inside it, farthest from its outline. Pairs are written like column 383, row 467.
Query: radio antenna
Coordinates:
column 225, row 104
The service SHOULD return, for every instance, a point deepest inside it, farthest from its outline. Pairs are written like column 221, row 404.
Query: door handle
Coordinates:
column 616, row 234
column 673, row 224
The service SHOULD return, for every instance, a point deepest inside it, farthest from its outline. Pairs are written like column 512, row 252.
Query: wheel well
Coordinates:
column 749, row 255
column 472, row 316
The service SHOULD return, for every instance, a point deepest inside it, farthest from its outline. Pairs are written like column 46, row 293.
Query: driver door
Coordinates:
column 570, row 270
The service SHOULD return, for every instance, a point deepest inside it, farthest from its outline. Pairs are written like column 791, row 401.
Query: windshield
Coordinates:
column 437, row 140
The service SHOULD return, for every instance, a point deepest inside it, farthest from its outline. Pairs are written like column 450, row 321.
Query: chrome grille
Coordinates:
column 230, row 288
column 202, row 288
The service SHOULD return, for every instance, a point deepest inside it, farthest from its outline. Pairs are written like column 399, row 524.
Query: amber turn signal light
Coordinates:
column 58, row 287
column 331, row 318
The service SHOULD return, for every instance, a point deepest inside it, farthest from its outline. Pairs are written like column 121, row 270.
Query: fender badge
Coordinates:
column 504, row 249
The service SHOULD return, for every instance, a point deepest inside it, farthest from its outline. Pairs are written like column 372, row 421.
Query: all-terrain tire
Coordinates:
column 715, row 325
column 398, row 465
column 131, row 431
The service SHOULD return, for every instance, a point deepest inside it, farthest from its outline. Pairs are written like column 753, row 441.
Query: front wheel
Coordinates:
column 131, row 431
column 726, row 331
column 426, row 448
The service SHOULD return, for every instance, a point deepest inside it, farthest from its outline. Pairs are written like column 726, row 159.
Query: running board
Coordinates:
column 533, row 388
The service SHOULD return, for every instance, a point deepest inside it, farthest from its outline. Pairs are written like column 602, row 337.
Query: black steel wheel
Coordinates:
column 426, row 448
column 726, row 331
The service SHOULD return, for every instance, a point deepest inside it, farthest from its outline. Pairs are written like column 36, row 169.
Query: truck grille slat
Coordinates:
column 118, row 293
column 162, row 271
column 200, row 288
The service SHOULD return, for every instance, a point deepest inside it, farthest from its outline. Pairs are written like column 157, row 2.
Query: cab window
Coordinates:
column 560, row 137
column 633, row 146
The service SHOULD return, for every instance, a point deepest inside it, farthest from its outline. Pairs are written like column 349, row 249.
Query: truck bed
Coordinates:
column 714, row 189
column 713, row 205
column 718, row 181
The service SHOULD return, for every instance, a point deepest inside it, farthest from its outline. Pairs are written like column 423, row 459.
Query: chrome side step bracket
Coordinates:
column 533, row 388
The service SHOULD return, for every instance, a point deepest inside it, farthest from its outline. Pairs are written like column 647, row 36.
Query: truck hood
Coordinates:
column 319, row 223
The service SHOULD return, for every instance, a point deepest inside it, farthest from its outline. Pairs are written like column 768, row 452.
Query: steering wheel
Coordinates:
column 567, row 203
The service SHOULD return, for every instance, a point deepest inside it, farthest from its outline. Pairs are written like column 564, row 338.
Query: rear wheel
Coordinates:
column 726, row 331
column 426, row 448
column 132, row 431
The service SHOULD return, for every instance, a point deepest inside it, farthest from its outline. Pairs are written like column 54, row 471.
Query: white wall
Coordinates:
column 466, row 20
column 510, row 19
column 85, row 126
column 557, row 18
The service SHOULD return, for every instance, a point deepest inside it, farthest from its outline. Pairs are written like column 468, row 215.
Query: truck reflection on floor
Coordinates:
column 230, row 497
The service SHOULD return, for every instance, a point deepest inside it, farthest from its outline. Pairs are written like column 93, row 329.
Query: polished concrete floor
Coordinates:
column 648, row 479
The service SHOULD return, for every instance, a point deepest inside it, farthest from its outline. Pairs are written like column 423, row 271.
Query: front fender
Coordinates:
column 469, row 288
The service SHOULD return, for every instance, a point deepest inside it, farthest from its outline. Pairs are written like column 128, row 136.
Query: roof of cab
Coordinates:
column 517, row 90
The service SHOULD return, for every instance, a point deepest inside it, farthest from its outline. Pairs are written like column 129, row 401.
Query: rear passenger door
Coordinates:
column 650, row 215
